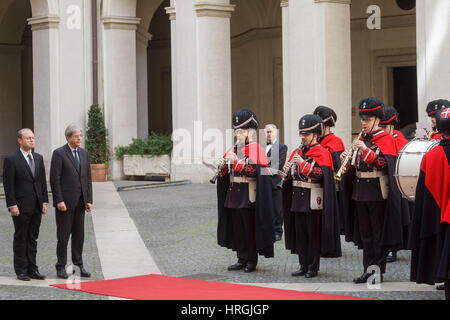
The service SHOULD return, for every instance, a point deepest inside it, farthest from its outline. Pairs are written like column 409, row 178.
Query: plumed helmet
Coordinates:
column 443, row 119
column 435, row 105
column 244, row 119
column 390, row 117
column 311, row 123
column 327, row 114
column 371, row 107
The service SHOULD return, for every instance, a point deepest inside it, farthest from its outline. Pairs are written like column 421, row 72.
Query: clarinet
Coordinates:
column 214, row 179
column 286, row 173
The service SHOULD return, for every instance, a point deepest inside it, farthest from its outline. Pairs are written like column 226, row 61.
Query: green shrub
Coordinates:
column 153, row 145
column 96, row 136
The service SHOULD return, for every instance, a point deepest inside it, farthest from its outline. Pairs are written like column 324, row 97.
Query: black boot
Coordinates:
column 299, row 273
column 392, row 257
column 363, row 278
column 83, row 272
column 61, row 273
column 238, row 266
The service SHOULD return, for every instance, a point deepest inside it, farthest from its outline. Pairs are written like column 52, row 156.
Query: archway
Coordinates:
column 159, row 73
column 256, row 59
column 16, row 78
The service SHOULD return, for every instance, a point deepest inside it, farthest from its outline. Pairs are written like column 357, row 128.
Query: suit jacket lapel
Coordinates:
column 71, row 157
column 25, row 164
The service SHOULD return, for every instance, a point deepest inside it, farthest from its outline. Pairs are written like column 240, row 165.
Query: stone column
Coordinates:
column 46, row 84
column 316, row 63
column 433, row 46
column 142, row 39
column 120, row 88
column 201, row 64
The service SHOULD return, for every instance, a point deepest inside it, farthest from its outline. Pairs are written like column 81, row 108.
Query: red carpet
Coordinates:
column 158, row 287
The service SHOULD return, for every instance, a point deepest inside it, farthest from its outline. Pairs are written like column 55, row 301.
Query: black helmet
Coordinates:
column 435, row 105
column 443, row 119
column 390, row 117
column 327, row 114
column 371, row 107
column 311, row 123
column 244, row 119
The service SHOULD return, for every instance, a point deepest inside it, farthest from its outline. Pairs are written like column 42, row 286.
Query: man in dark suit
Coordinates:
column 71, row 183
column 26, row 199
column 276, row 155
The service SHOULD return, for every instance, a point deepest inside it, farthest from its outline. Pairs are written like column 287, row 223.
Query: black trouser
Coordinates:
column 67, row 223
column 308, row 231
column 447, row 289
column 277, row 199
column 371, row 219
column 244, row 235
column 26, row 233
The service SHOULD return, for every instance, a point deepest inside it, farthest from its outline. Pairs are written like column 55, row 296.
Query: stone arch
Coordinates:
column 145, row 10
column 256, row 59
column 44, row 7
column 16, row 78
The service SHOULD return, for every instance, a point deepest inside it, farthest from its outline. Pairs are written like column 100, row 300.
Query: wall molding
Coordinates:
column 44, row 22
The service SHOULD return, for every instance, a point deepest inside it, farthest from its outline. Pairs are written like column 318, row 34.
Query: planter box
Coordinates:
column 134, row 165
column 98, row 172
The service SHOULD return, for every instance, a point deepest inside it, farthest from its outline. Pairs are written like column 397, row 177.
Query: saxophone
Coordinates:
column 343, row 167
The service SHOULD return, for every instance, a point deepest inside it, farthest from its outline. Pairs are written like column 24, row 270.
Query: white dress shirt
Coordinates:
column 269, row 146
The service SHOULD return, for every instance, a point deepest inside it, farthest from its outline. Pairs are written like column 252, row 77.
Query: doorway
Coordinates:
column 405, row 96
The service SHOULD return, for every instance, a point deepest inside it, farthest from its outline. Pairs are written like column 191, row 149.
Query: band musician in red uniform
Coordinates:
column 430, row 226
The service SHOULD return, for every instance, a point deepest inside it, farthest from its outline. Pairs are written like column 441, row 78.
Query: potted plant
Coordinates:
column 97, row 144
column 147, row 156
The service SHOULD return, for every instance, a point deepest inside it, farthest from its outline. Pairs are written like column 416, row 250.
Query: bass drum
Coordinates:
column 407, row 168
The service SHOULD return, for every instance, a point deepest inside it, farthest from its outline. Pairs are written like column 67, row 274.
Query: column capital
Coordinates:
column 214, row 9
column 334, row 1
column 119, row 22
column 171, row 12
column 44, row 22
column 143, row 36
column 284, row 3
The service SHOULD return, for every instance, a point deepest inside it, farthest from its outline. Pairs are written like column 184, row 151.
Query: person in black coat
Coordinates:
column 310, row 206
column 375, row 192
column 276, row 155
column 429, row 237
column 244, row 197
column 71, row 183
column 26, row 198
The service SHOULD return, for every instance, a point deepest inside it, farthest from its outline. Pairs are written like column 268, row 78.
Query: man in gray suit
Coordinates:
column 71, row 183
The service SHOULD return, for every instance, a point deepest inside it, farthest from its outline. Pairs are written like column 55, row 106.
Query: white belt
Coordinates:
column 370, row 175
column 242, row 179
column 307, row 185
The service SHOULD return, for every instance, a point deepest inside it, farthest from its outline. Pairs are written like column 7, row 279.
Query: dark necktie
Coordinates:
column 31, row 163
column 77, row 159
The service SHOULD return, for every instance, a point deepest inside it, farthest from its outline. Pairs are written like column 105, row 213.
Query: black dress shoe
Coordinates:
column 237, row 266
column 36, row 275
column 23, row 277
column 250, row 267
column 311, row 274
column 299, row 273
column 83, row 272
column 440, row 287
column 392, row 257
column 278, row 237
column 62, row 274
column 363, row 278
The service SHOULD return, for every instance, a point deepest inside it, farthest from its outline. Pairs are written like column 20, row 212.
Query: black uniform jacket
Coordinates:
column 265, row 235
column 330, row 239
